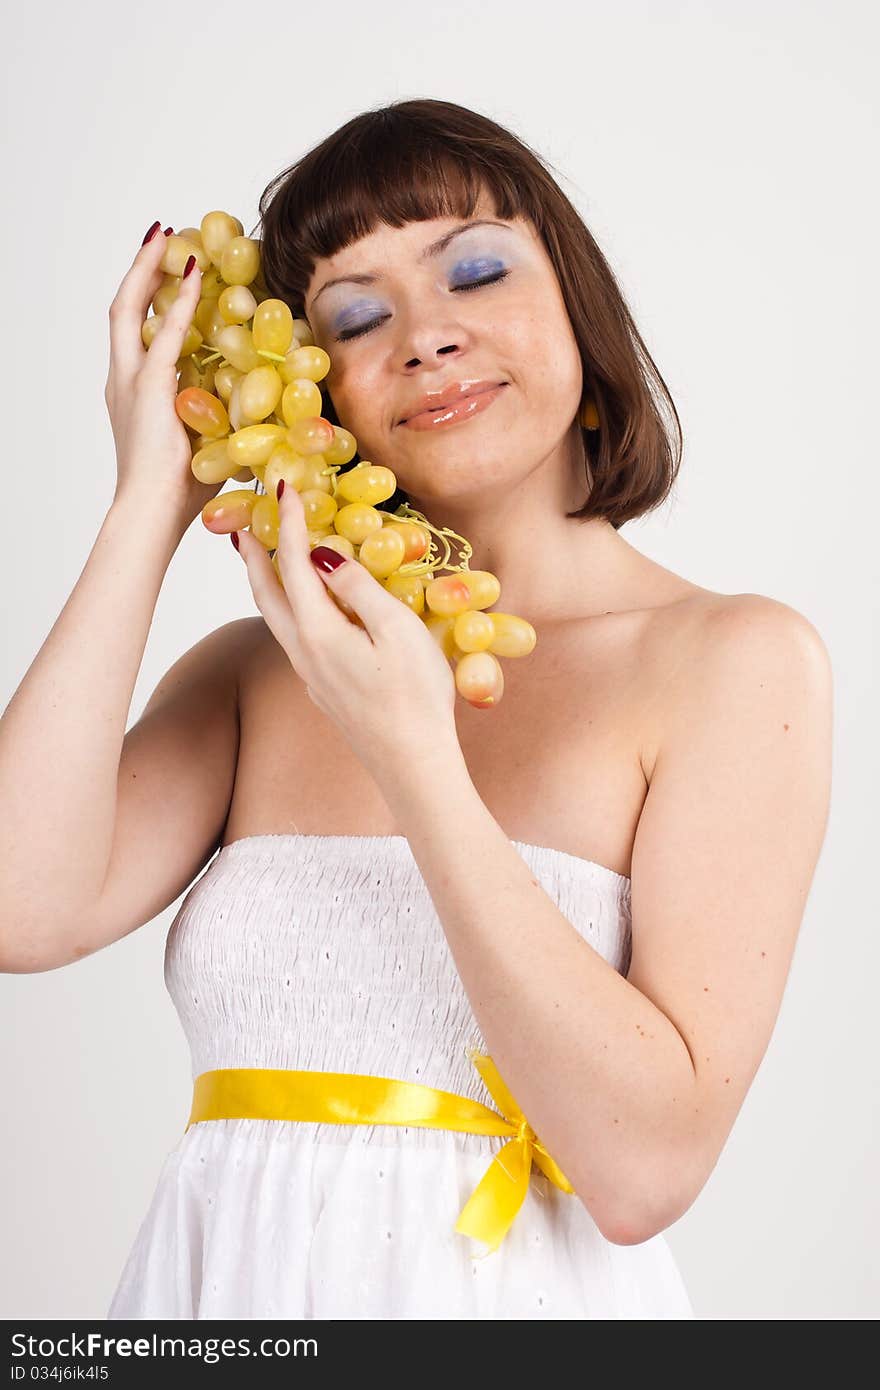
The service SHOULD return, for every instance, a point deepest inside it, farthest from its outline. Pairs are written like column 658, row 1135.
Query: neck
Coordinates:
column 550, row 566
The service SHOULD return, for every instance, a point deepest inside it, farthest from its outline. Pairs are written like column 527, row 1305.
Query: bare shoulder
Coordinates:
column 711, row 642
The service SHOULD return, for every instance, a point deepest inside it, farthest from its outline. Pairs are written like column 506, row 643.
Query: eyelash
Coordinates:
column 471, row 285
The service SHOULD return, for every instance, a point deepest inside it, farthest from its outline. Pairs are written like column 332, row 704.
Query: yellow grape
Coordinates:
column 212, row 464
column 333, row 542
column 317, row 536
column 191, row 234
column 237, row 417
column 212, row 283
column 473, row 631
column 202, row 411
column 236, row 304
column 191, row 374
column 165, row 297
column 479, row 679
column 225, row 377
column 310, row 362
column 343, row 448
column 318, row 507
column 367, row 482
column 300, row 398
column 406, row 587
column 240, row 260
column 356, row 521
column 237, row 345
column 265, row 521
column 448, row 595
column 218, row 229
column 513, row 636
column 253, row 444
column 273, row 327
column 302, row 332
column 311, row 435
column 260, row 392
column 229, row 511
column 314, row 476
column 150, row 327
column 284, row 462
column 178, row 251
column 209, row 320
column 483, row 588
column 382, row 552
column 415, row 538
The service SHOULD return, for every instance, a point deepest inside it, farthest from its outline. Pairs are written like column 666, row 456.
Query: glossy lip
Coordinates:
column 448, row 395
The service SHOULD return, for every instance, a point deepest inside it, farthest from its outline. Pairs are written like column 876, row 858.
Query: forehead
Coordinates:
column 386, row 244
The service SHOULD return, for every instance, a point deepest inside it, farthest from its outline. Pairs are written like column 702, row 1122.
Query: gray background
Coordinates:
column 724, row 157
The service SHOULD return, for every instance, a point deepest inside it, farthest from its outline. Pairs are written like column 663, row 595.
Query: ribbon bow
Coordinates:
column 490, row 1210
column 356, row 1099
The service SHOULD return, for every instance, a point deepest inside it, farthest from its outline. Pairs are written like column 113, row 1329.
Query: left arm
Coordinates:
column 633, row 1084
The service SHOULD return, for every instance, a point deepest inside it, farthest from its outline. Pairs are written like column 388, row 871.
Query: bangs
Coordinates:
column 381, row 168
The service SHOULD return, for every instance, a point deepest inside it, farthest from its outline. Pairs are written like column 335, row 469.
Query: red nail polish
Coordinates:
column 169, row 231
column 326, row 559
column 151, row 232
column 279, row 489
column 233, row 536
column 190, row 262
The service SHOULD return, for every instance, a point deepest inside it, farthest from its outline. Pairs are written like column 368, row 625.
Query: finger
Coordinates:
column 351, row 582
column 165, row 348
column 314, row 613
column 271, row 599
column 131, row 305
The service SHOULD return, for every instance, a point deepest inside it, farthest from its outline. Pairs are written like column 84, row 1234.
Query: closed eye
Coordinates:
column 470, row 285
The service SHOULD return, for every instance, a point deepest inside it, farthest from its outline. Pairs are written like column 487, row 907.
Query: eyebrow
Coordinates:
column 433, row 250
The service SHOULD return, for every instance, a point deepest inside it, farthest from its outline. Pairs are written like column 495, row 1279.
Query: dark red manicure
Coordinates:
column 233, row 536
column 279, row 489
column 169, row 231
column 326, row 559
column 151, row 232
column 190, row 262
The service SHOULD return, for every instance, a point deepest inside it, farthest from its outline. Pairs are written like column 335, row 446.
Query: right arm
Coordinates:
column 97, row 827
column 102, row 829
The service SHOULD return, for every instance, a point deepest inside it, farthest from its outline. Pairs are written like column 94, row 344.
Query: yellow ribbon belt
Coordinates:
column 351, row 1099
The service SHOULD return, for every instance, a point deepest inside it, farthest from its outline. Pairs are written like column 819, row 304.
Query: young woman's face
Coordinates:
column 423, row 323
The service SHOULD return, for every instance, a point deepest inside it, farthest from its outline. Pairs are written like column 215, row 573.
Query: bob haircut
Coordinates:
column 417, row 160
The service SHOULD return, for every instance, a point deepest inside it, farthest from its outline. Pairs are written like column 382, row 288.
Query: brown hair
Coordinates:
column 416, row 160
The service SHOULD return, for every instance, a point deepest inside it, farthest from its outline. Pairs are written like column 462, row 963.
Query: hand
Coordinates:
column 387, row 685
column 153, row 450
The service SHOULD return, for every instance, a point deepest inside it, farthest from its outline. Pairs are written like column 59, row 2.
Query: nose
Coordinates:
column 438, row 352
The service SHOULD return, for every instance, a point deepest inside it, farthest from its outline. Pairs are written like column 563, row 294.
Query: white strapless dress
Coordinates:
column 325, row 952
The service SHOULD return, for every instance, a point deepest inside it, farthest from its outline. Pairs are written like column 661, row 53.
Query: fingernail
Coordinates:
column 233, row 536
column 151, row 232
column 190, row 262
column 326, row 559
column 169, row 231
column 279, row 489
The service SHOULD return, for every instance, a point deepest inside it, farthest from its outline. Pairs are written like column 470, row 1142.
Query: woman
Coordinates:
column 662, row 760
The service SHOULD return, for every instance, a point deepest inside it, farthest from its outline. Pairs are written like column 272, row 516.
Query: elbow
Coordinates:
column 644, row 1214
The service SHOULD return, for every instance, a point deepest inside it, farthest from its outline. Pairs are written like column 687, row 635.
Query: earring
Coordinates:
column 588, row 417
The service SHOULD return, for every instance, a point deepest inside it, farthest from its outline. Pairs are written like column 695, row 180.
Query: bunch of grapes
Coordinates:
column 249, row 397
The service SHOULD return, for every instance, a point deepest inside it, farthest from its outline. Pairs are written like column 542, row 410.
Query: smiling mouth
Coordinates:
column 461, row 407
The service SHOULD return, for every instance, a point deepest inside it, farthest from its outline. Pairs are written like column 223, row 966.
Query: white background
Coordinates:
column 725, row 157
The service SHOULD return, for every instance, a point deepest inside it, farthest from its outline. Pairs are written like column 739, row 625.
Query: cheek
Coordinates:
column 543, row 358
